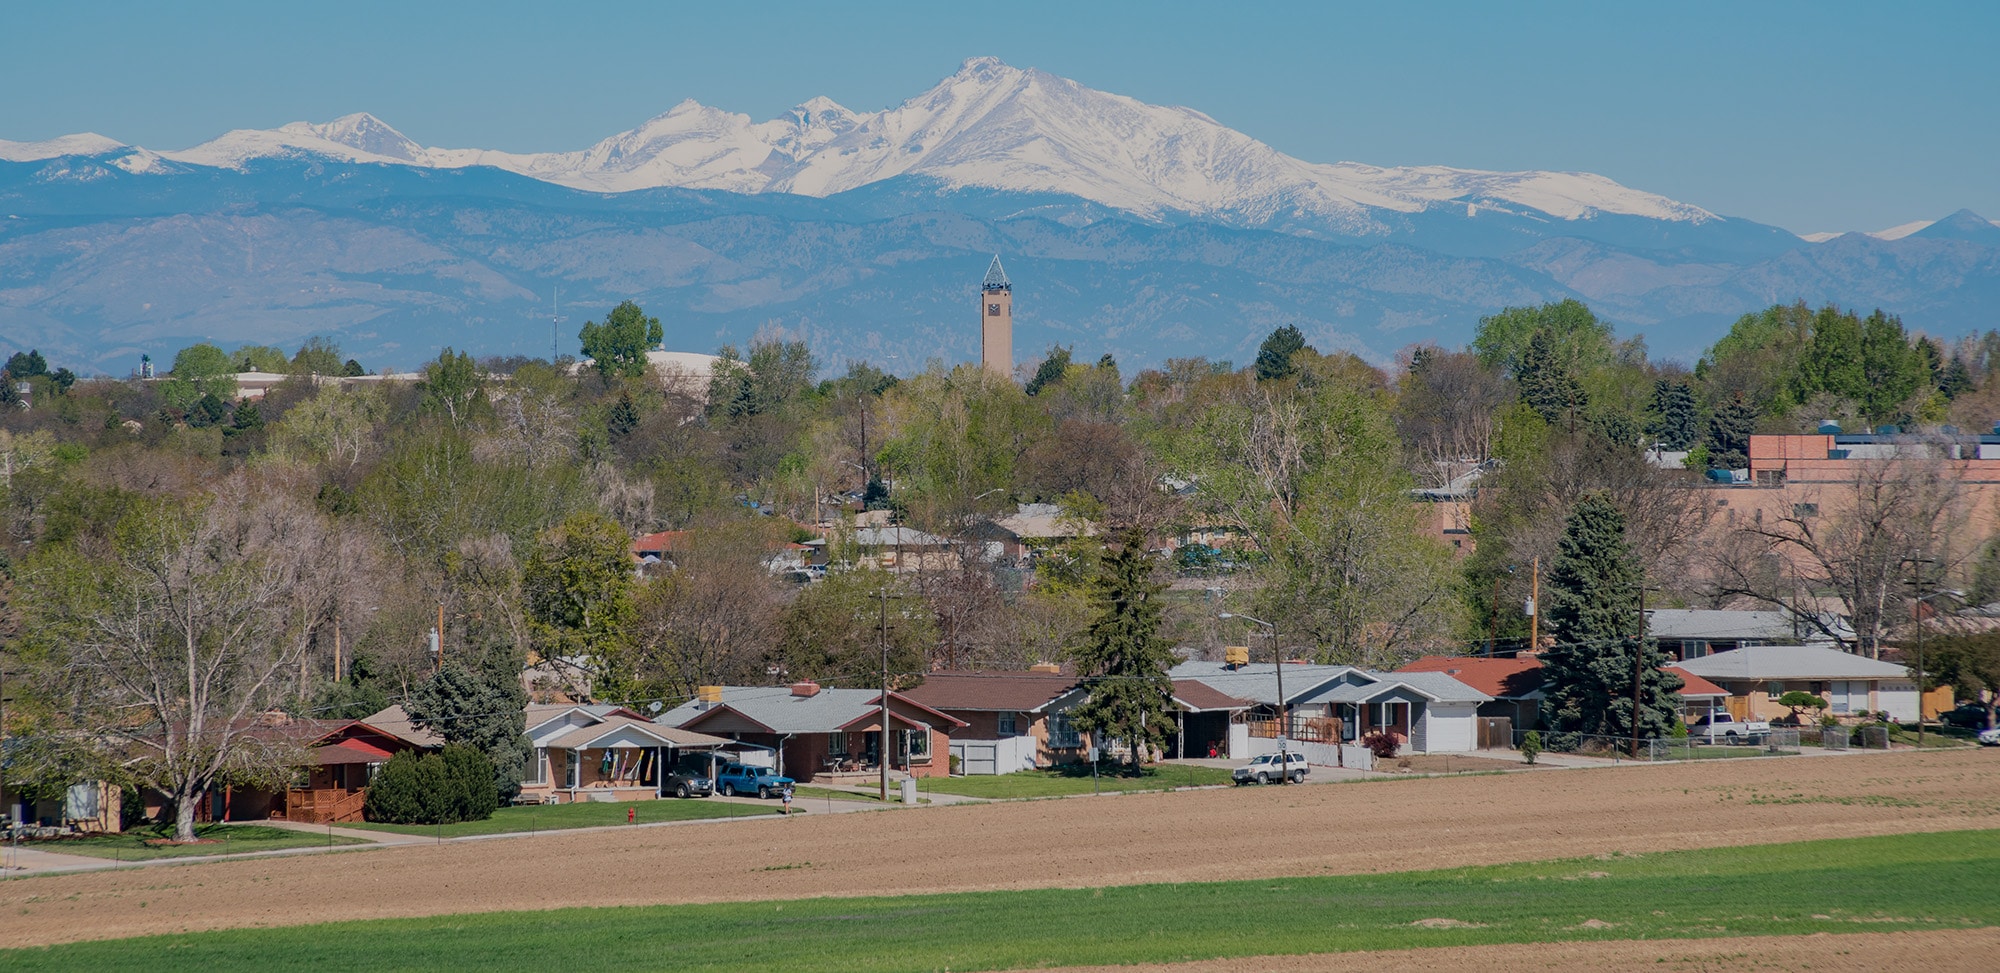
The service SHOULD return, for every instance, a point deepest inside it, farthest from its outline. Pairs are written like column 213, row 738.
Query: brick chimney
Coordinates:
column 805, row 689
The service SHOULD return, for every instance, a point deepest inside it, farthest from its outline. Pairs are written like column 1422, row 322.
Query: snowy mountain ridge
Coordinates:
column 988, row 126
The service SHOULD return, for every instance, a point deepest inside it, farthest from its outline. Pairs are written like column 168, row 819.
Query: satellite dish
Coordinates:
column 655, row 706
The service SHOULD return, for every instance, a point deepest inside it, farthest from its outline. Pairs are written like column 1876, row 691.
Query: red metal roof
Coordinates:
column 1695, row 685
column 1503, row 678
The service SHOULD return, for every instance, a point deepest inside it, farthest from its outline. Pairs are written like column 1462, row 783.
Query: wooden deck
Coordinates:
column 327, row 806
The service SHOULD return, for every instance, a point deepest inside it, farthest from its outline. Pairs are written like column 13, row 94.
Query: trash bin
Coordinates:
column 909, row 791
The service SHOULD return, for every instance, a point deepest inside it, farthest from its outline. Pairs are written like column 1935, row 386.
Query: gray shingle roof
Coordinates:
column 1791, row 662
column 777, row 708
column 1258, row 681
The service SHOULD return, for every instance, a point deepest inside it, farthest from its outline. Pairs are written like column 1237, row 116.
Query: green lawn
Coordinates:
column 1073, row 779
column 1921, row 881
column 553, row 817
column 219, row 839
column 1717, row 751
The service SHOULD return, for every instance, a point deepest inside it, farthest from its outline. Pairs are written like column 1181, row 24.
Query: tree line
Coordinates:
column 323, row 528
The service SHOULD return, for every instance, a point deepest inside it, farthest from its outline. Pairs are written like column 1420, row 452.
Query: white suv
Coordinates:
column 1270, row 767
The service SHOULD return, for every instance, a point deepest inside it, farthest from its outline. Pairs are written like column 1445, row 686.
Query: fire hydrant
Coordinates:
column 630, row 814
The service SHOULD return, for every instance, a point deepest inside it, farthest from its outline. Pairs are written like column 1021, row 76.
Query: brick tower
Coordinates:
column 996, row 321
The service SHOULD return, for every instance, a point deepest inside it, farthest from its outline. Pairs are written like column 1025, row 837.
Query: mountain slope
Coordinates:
column 996, row 128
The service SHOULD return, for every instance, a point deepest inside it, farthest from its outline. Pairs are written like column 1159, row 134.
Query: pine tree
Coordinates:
column 1122, row 657
column 483, row 709
column 1676, row 423
column 1274, row 356
column 624, row 416
column 1729, row 434
column 1549, row 384
column 1594, row 605
column 1050, row 371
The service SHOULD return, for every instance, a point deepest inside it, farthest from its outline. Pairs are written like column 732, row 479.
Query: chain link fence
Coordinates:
column 1776, row 743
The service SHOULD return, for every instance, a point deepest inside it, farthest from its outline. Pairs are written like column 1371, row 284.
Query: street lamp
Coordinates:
column 1278, row 663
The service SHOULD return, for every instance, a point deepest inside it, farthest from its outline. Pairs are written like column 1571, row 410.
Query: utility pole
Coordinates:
column 1535, row 606
column 1638, row 664
column 882, row 641
column 1917, row 616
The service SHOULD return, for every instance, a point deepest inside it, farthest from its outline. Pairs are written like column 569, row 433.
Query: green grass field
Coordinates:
column 1924, row 881
column 1073, row 779
column 555, row 817
column 219, row 839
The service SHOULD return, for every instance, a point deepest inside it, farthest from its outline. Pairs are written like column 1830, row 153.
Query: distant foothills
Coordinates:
column 863, row 235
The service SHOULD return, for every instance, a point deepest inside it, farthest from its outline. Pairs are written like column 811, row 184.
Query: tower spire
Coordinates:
column 996, row 321
column 996, row 277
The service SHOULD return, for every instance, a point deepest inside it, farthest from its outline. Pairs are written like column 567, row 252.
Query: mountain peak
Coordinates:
column 1962, row 225
column 82, row 143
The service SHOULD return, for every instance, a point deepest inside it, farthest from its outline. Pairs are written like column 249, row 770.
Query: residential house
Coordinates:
column 1030, row 527
column 901, row 549
column 1515, row 684
column 338, row 759
column 1755, row 676
column 1690, row 633
column 1012, row 720
column 601, row 753
column 817, row 730
column 1432, row 712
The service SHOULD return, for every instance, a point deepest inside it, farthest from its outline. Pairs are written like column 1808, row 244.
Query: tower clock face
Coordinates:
column 993, row 310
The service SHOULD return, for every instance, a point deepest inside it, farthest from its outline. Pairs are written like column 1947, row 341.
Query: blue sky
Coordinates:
column 1827, row 116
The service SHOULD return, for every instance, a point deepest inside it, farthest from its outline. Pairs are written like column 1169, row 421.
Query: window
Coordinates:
column 992, row 310
column 918, row 745
column 1775, row 690
column 1010, row 724
column 1063, row 734
column 1804, row 510
column 538, row 767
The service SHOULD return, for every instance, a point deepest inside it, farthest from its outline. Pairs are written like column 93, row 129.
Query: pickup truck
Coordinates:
column 1265, row 768
column 1724, row 728
column 734, row 779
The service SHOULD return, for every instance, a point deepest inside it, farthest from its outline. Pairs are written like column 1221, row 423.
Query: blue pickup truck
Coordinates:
column 734, row 779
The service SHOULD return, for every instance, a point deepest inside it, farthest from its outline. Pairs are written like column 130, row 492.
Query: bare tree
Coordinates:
column 177, row 635
column 1850, row 544
column 711, row 618
column 1447, row 413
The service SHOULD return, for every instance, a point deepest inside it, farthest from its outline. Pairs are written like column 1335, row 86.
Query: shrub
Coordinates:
column 1680, row 731
column 437, row 788
column 1531, row 745
column 1382, row 744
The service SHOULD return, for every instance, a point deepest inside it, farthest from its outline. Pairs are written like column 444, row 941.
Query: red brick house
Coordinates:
column 816, row 730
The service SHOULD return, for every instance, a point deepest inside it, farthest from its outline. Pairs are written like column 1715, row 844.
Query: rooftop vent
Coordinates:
column 805, row 689
column 1828, row 427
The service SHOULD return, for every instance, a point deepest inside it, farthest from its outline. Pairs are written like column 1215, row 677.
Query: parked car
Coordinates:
column 688, row 777
column 1724, row 728
column 734, row 779
column 1268, row 767
column 1968, row 716
column 1990, row 738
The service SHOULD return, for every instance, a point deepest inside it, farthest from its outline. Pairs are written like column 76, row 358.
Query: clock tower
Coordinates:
column 996, row 321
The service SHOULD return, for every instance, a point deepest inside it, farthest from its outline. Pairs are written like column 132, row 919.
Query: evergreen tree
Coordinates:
column 26, row 364
column 1729, row 434
column 624, row 416
column 1274, row 356
column 1123, row 658
column 1548, row 383
column 1050, row 371
column 483, row 709
column 1676, row 423
column 1956, row 379
column 1892, row 370
column 1594, row 605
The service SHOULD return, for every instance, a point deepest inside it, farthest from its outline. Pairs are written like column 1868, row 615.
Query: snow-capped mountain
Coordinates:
column 990, row 126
